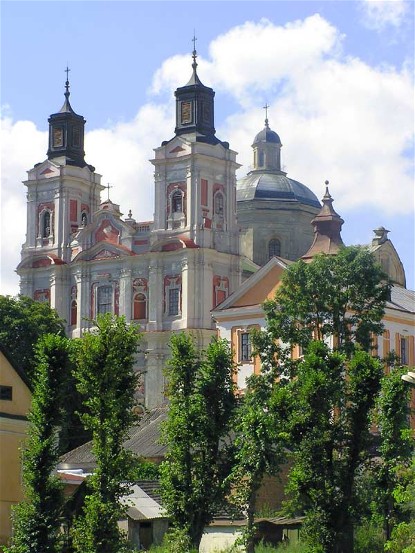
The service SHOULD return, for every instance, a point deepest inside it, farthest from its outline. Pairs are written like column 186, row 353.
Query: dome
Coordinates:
column 267, row 135
column 274, row 186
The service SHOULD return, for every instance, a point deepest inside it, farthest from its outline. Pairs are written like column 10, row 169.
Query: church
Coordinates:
column 210, row 232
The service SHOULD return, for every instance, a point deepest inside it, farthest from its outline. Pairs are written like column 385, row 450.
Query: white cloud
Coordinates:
column 379, row 14
column 337, row 117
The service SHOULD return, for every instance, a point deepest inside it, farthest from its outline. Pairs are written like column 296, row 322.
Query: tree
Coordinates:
column 396, row 446
column 37, row 520
column 341, row 295
column 330, row 436
column 260, row 440
column 22, row 322
column 202, row 400
column 104, row 360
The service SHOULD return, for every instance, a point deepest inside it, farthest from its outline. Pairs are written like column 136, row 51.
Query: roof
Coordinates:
column 141, row 506
column 274, row 185
column 7, row 354
column 267, row 135
column 143, row 440
column 402, row 299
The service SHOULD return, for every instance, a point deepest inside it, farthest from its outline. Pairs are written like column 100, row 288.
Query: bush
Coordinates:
column 369, row 538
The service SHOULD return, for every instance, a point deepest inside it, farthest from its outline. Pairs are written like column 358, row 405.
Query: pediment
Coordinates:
column 103, row 252
column 45, row 170
column 39, row 261
column 177, row 148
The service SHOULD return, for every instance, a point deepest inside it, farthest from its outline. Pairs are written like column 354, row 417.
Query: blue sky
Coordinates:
column 338, row 77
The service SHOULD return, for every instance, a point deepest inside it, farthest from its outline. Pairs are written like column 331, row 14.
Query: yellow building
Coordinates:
column 15, row 400
column 242, row 311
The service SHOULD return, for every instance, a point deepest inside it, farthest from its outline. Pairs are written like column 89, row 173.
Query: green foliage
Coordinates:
column 368, row 538
column 22, row 322
column 396, row 448
column 339, row 295
column 105, row 377
column 200, row 390
column 37, row 520
column 145, row 470
column 402, row 539
column 330, row 433
column 403, row 534
column 260, row 440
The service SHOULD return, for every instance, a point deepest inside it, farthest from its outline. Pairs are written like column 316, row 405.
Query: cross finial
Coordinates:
column 67, row 79
column 194, row 53
column 266, row 114
column 108, row 189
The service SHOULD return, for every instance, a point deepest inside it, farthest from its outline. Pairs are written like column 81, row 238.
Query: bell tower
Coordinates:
column 195, row 182
column 63, row 193
column 66, row 133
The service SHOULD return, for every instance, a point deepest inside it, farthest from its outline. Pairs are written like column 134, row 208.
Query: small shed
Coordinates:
column 147, row 521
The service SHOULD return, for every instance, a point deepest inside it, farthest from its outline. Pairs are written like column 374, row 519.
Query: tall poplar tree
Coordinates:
column 106, row 379
column 201, row 404
column 396, row 447
column 333, row 397
column 37, row 520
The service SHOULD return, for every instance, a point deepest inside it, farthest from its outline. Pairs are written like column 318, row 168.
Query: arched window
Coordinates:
column 261, row 158
column 140, row 306
column 177, row 202
column 274, row 248
column 219, row 204
column 74, row 312
column 84, row 219
column 46, row 225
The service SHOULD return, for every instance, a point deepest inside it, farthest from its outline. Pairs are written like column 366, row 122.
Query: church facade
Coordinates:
column 210, row 232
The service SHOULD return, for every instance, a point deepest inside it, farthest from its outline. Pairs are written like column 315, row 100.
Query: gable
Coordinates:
column 263, row 289
column 388, row 258
column 10, row 377
column 177, row 148
column 103, row 251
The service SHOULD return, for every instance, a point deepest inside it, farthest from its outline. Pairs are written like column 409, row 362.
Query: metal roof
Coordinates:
column 143, row 440
column 268, row 185
column 402, row 298
column 141, row 506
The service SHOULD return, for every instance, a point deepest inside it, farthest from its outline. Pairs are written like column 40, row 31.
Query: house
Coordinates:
column 15, row 400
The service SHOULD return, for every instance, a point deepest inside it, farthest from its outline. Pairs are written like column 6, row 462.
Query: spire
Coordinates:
column 195, row 106
column 266, row 115
column 327, row 227
column 66, row 132
column 66, row 108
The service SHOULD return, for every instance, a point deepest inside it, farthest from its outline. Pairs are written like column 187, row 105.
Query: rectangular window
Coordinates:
column 404, row 351
column 73, row 210
column 204, row 191
column 104, row 300
column 174, row 301
column 6, row 392
column 244, row 346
